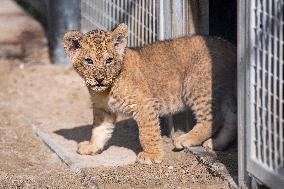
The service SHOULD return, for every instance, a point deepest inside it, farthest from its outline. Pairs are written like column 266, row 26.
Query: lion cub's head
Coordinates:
column 98, row 55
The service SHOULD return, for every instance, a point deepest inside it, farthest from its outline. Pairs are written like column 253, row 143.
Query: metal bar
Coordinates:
column 121, row 12
column 150, row 22
column 242, row 7
column 104, row 18
column 280, row 6
column 184, row 16
column 136, row 26
column 266, row 176
column 258, row 98
column 143, row 21
column 165, row 18
column 116, row 11
column 137, row 23
column 161, row 20
column 139, row 20
column 263, row 97
column 253, row 90
column 146, row 23
column 275, row 93
column 177, row 21
column 154, row 21
column 269, row 99
column 109, row 13
column 132, row 24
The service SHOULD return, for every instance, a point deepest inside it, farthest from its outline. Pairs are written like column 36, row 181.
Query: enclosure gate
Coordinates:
column 262, row 67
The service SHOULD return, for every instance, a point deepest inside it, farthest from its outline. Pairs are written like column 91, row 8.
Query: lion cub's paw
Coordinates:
column 186, row 140
column 208, row 144
column 148, row 158
column 87, row 148
column 214, row 144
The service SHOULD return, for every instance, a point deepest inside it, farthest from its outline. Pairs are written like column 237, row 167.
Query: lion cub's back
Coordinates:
column 180, row 53
column 166, row 62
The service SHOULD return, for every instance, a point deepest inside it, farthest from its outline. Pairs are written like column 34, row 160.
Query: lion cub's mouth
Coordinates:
column 99, row 87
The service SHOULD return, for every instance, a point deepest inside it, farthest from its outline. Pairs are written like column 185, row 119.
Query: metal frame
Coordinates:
column 243, row 22
column 260, row 151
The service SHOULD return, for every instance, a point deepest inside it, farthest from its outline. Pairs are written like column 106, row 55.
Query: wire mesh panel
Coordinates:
column 265, row 88
column 141, row 17
column 148, row 20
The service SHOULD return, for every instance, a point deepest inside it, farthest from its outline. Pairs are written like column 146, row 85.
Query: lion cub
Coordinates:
column 158, row 79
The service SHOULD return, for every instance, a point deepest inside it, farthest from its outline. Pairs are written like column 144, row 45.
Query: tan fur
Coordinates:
column 165, row 77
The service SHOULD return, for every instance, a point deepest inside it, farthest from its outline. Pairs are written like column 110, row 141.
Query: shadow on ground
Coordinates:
column 125, row 134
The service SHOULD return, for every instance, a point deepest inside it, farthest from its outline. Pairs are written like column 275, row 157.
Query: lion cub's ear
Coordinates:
column 72, row 42
column 120, row 34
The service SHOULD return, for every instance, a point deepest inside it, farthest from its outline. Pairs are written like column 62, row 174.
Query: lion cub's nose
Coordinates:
column 100, row 80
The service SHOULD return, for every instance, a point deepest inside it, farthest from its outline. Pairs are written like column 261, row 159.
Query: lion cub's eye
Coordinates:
column 88, row 61
column 109, row 61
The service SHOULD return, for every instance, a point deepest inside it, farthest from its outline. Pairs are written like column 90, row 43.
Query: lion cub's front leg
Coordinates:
column 149, row 133
column 101, row 133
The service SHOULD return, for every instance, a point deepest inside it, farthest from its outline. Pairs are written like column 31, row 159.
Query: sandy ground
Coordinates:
column 32, row 88
column 25, row 162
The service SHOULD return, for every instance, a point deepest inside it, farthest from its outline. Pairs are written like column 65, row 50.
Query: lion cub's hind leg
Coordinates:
column 197, row 94
column 202, row 130
column 228, row 132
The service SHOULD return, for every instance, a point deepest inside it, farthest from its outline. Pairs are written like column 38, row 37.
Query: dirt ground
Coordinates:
column 32, row 88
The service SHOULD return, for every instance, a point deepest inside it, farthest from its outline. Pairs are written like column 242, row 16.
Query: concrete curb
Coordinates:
column 54, row 147
column 209, row 159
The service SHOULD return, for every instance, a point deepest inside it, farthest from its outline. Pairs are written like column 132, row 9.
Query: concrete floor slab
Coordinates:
column 121, row 149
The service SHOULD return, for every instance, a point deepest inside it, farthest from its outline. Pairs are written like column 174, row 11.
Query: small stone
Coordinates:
column 170, row 167
column 22, row 66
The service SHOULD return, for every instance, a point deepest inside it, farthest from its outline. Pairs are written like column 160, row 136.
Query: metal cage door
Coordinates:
column 263, row 93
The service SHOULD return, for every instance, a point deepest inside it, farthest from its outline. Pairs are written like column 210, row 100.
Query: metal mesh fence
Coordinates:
column 141, row 17
column 266, row 84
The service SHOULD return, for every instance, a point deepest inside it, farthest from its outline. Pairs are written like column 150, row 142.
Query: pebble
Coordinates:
column 22, row 66
column 170, row 167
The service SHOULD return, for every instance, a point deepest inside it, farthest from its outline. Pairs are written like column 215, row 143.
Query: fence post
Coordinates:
column 243, row 177
column 63, row 15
